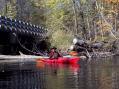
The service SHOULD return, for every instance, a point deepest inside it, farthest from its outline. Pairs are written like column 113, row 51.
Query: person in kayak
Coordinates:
column 54, row 54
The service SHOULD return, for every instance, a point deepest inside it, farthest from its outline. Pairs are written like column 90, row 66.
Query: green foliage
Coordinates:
column 95, row 18
column 83, row 1
column 56, row 19
column 9, row 10
column 61, row 39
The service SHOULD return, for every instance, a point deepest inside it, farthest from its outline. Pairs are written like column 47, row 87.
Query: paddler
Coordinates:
column 54, row 54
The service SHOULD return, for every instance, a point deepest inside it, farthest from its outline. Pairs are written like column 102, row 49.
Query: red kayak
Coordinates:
column 63, row 60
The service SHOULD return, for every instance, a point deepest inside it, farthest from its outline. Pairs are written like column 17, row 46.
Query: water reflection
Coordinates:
column 54, row 67
column 26, row 76
column 60, row 76
column 99, row 74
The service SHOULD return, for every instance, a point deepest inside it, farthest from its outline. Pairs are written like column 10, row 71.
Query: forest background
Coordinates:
column 92, row 20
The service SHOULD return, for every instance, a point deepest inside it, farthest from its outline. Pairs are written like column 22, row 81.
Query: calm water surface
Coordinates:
column 98, row 74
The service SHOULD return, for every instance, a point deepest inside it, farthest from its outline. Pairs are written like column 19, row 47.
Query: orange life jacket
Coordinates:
column 73, row 53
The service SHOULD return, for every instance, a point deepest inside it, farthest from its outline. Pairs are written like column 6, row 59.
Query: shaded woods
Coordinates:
column 92, row 20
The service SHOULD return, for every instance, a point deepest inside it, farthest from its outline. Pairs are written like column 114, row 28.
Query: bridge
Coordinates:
column 16, row 35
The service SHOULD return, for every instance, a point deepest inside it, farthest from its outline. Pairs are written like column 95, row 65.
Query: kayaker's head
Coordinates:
column 53, row 49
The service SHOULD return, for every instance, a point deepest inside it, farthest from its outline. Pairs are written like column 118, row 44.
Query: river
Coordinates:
column 101, row 73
